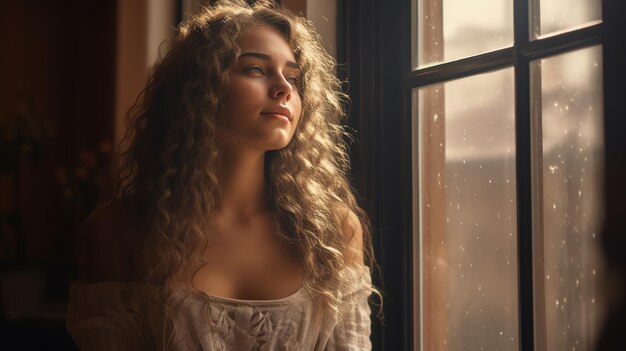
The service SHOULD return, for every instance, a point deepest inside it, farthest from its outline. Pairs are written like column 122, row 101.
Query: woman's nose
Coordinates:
column 281, row 88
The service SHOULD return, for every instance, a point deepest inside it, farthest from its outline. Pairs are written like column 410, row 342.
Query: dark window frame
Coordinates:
column 374, row 55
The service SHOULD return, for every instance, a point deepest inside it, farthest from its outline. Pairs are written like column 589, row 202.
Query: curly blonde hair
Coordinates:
column 171, row 156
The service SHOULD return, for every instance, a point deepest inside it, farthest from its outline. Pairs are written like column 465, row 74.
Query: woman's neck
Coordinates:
column 242, row 184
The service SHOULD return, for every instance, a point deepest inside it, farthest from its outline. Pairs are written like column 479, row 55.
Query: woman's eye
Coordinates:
column 256, row 69
column 294, row 80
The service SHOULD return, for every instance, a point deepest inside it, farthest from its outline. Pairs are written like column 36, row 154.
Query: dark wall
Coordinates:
column 614, row 238
column 57, row 71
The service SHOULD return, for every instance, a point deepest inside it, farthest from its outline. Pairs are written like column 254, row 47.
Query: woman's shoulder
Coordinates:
column 352, row 233
column 108, row 243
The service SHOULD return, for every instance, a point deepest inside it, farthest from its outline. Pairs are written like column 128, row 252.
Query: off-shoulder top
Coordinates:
column 106, row 316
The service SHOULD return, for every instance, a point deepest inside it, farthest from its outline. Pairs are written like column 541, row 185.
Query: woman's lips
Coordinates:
column 276, row 116
column 278, row 111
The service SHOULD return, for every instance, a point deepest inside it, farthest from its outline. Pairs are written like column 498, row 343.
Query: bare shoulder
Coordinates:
column 107, row 243
column 352, row 232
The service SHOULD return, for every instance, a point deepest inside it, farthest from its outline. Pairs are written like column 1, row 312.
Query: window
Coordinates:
column 499, row 113
column 484, row 141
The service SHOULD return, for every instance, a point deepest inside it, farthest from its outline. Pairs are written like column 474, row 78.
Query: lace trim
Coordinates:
column 258, row 325
column 298, row 296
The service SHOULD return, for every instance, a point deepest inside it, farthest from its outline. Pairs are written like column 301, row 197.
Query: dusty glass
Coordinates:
column 465, row 201
column 567, row 110
column 551, row 17
column 446, row 30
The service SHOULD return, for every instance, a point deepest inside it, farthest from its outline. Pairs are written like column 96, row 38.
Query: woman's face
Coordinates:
column 263, row 103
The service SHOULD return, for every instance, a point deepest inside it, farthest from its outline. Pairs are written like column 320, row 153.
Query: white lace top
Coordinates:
column 104, row 316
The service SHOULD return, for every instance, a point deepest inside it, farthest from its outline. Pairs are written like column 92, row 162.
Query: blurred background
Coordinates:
column 57, row 109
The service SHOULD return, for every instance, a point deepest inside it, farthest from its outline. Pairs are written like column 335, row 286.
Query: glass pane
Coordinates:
column 567, row 100
column 556, row 16
column 467, row 257
column 446, row 30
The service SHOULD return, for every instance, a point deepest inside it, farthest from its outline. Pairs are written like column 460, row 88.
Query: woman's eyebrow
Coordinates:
column 267, row 57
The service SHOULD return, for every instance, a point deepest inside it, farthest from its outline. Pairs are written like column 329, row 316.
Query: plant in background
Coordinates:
column 82, row 183
column 23, row 137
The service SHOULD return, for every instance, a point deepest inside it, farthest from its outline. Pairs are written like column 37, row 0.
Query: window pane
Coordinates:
column 556, row 16
column 467, row 256
column 568, row 266
column 446, row 30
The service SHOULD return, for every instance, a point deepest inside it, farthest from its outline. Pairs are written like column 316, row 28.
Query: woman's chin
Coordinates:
column 278, row 146
column 277, row 142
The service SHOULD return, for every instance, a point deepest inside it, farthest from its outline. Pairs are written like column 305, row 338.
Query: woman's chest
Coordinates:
column 250, row 270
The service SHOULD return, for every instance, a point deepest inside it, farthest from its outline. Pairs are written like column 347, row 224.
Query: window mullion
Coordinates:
column 461, row 68
column 565, row 42
column 524, row 173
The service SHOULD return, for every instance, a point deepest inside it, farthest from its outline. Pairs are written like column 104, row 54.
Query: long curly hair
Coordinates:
column 171, row 158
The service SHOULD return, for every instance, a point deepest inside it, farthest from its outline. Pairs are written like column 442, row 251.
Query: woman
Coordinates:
column 235, row 227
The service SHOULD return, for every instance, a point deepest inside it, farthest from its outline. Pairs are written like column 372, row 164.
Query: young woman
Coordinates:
column 235, row 227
